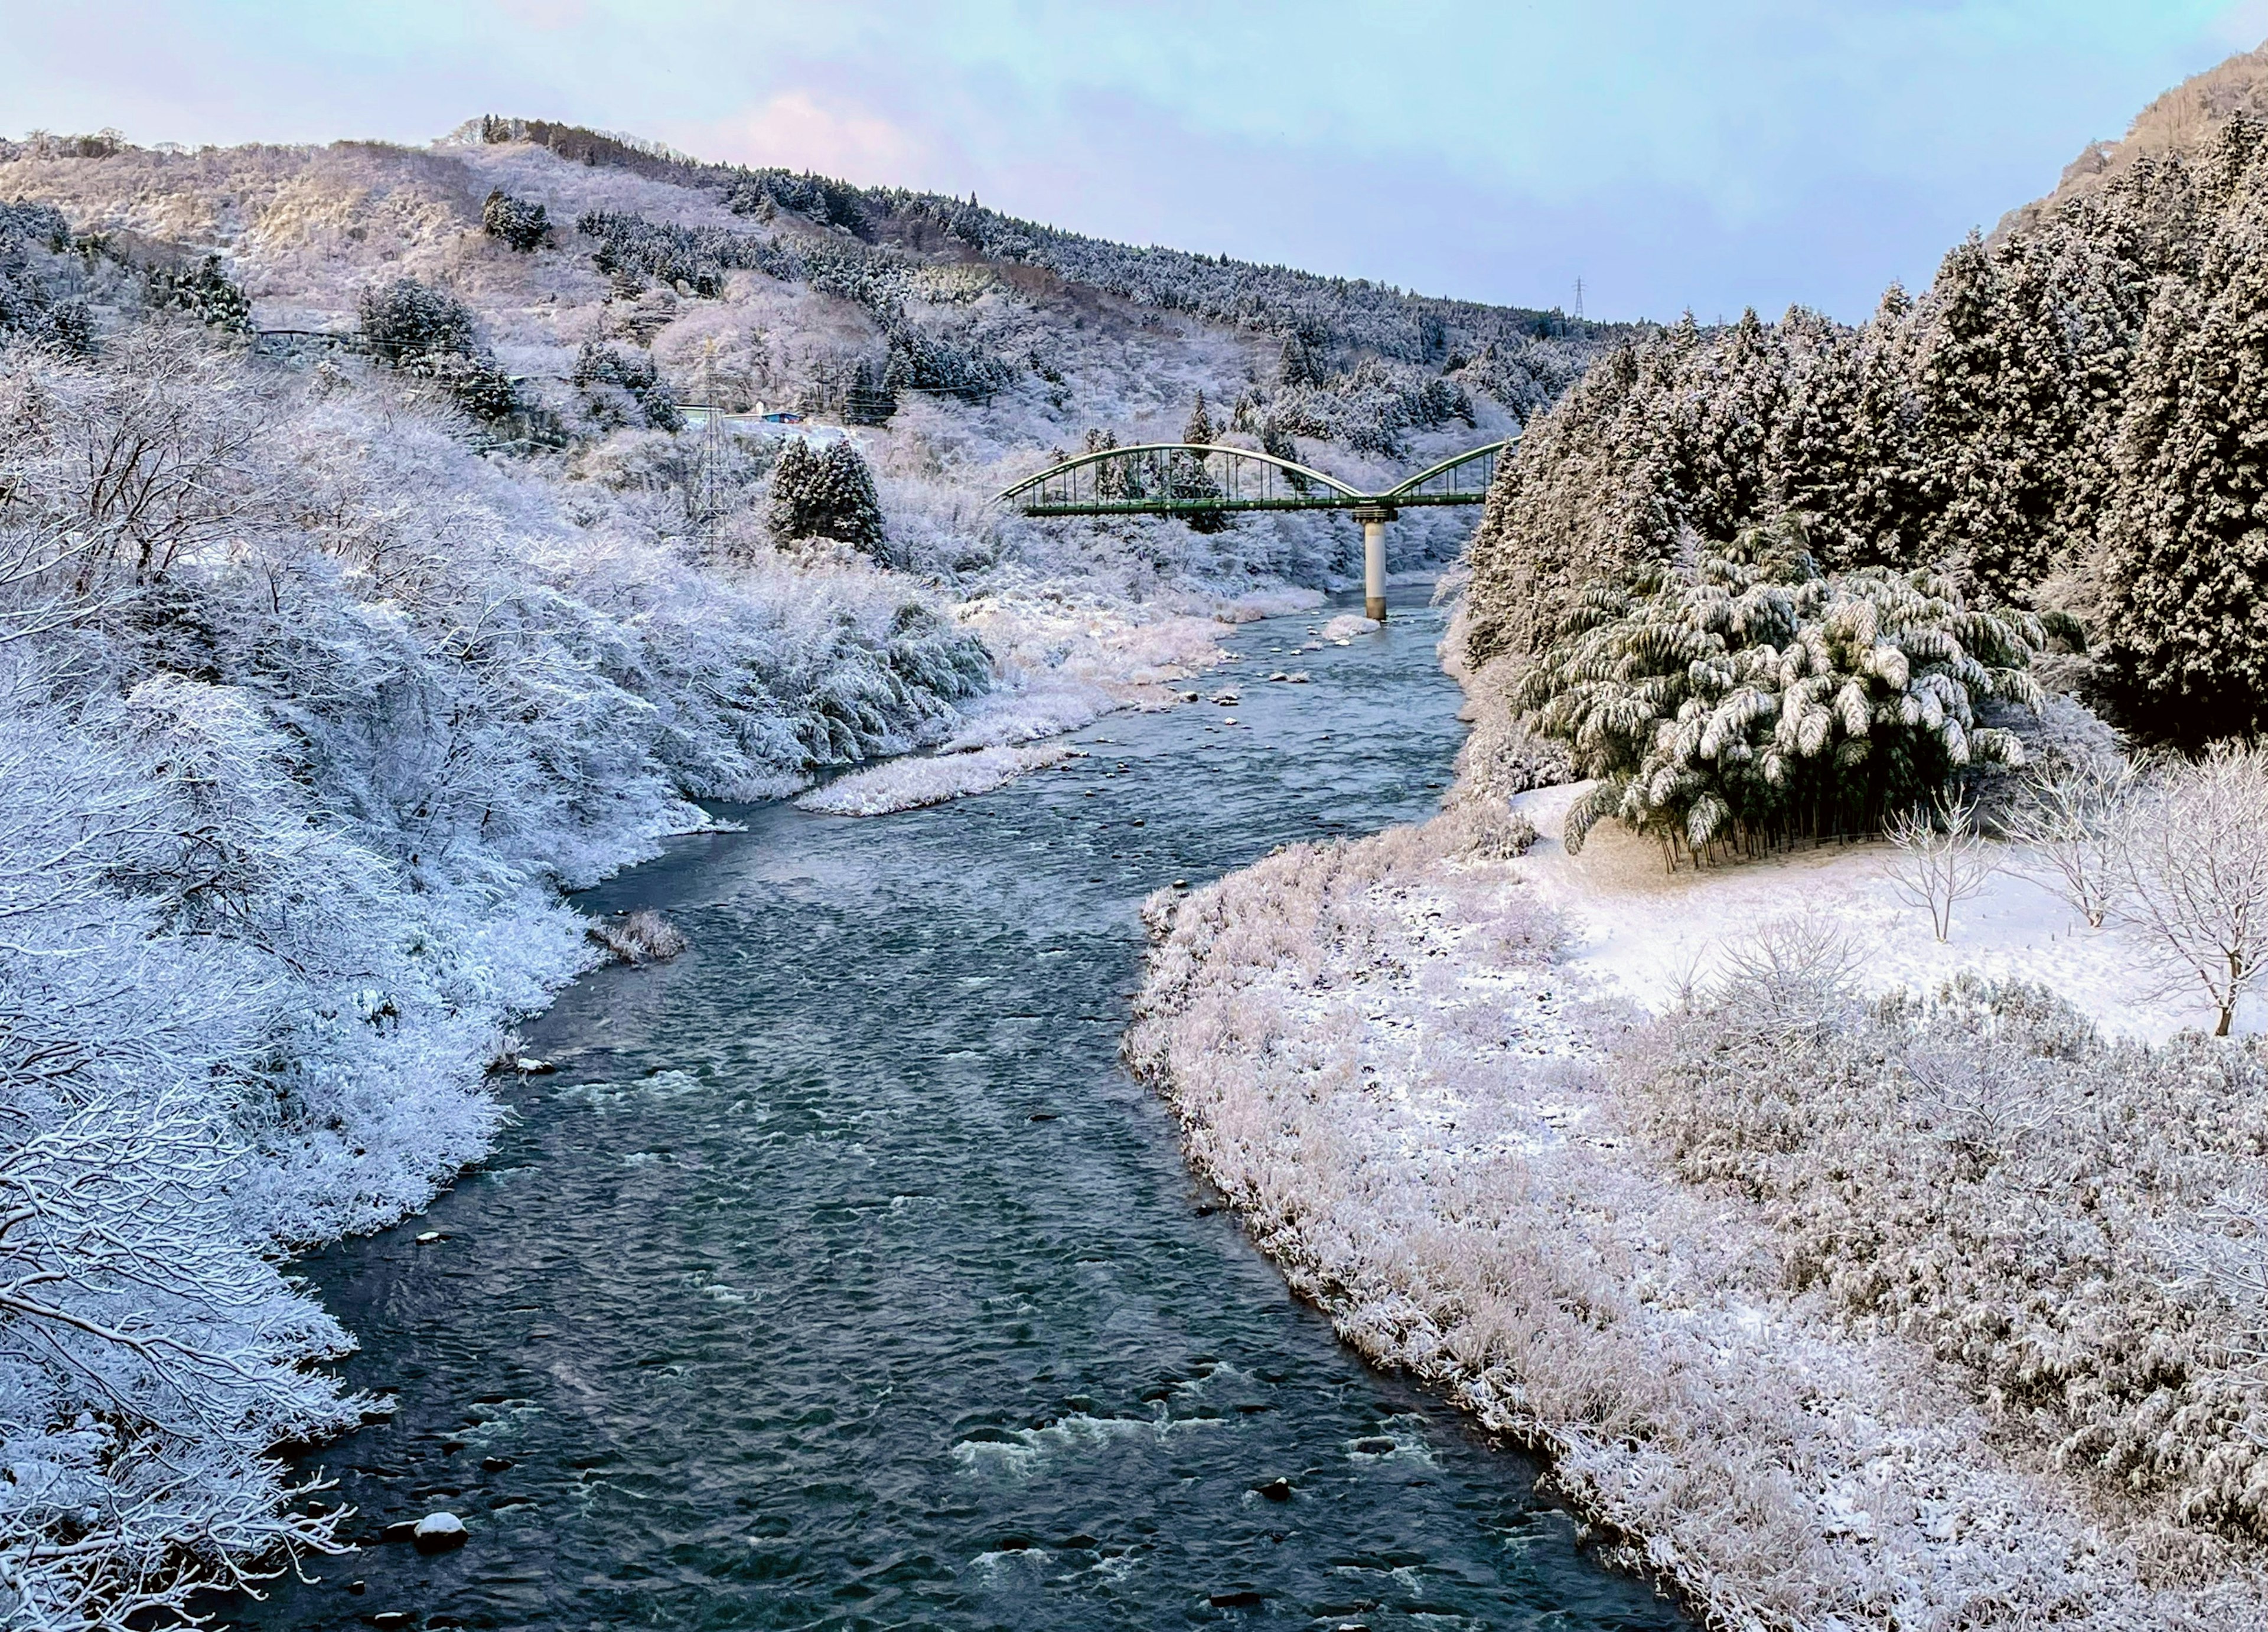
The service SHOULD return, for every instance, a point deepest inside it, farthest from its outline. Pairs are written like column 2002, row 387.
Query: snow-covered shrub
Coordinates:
column 430, row 334
column 521, row 223
column 642, row 937
column 1981, row 1172
column 2074, row 819
column 1494, row 831
column 825, row 495
column 1748, row 699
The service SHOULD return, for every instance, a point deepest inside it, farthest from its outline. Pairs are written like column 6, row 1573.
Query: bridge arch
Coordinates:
column 1201, row 480
column 1176, row 478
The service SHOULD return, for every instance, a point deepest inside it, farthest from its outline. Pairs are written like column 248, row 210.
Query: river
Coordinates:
column 842, row 1277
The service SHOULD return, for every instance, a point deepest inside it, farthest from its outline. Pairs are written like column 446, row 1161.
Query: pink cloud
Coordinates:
column 796, row 130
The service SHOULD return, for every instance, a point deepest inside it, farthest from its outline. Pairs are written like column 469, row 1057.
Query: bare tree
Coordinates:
column 1938, row 859
column 2074, row 817
column 2197, row 874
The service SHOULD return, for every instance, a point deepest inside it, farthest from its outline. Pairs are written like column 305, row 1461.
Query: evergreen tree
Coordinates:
column 521, row 223
column 205, row 292
column 1839, row 458
column 1188, row 476
column 1744, row 384
column 1295, row 366
column 429, row 333
column 1995, row 437
column 636, row 375
column 2184, row 600
column 1199, row 430
column 826, row 496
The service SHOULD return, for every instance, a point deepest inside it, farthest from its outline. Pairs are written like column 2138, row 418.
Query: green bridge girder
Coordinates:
column 1182, row 479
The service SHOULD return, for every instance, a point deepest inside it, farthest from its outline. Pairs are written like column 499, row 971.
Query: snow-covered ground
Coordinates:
column 1392, row 1057
column 1645, row 931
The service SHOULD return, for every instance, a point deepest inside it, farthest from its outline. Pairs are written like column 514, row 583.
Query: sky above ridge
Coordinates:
column 1671, row 154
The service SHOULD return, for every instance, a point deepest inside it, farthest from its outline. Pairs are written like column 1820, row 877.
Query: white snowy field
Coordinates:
column 1644, row 932
column 1427, row 1082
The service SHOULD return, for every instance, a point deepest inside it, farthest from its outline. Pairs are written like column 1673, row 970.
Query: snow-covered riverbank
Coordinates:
column 1429, row 1083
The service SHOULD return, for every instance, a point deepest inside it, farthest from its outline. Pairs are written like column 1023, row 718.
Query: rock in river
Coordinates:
column 438, row 1532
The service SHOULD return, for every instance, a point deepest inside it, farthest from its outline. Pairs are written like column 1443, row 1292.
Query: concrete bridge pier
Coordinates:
column 1373, row 518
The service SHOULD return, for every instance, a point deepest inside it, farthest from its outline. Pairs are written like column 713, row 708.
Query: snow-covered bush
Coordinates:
column 1981, row 1172
column 1494, row 831
column 2073, row 821
column 1938, row 859
column 521, row 223
column 1747, row 699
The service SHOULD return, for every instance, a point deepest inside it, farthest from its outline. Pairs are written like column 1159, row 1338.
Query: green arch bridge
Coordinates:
column 1193, row 480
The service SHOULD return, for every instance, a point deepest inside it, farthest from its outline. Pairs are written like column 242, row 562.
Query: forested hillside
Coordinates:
column 2067, row 420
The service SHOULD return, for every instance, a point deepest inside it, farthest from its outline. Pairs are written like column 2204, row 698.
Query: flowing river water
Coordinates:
column 842, row 1277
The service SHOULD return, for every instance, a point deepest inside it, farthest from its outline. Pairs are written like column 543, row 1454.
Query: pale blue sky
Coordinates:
column 1701, row 154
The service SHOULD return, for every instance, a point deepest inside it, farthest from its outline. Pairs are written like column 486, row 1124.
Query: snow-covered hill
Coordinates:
column 325, row 667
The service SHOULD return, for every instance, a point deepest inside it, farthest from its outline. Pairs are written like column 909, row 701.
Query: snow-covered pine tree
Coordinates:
column 1839, row 459
column 1744, row 383
column 1199, row 430
column 429, row 333
column 633, row 374
column 1190, row 478
column 1994, row 437
column 2182, row 602
column 825, row 495
column 521, row 222
column 1295, row 366
column 206, row 292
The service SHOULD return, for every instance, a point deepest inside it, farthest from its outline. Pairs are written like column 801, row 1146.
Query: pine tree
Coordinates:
column 1840, row 460
column 430, row 334
column 2182, row 605
column 1295, row 366
column 1744, row 383
column 1188, row 477
column 521, row 222
column 1995, row 434
column 826, row 496
column 1199, row 430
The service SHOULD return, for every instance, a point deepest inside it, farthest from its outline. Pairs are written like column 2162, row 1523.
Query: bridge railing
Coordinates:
column 1177, row 478
column 1167, row 478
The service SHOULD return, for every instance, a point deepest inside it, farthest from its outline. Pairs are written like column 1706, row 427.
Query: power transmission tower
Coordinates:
column 704, row 487
column 1578, row 300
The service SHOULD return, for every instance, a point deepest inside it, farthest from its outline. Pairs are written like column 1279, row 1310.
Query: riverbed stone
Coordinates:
column 438, row 1532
